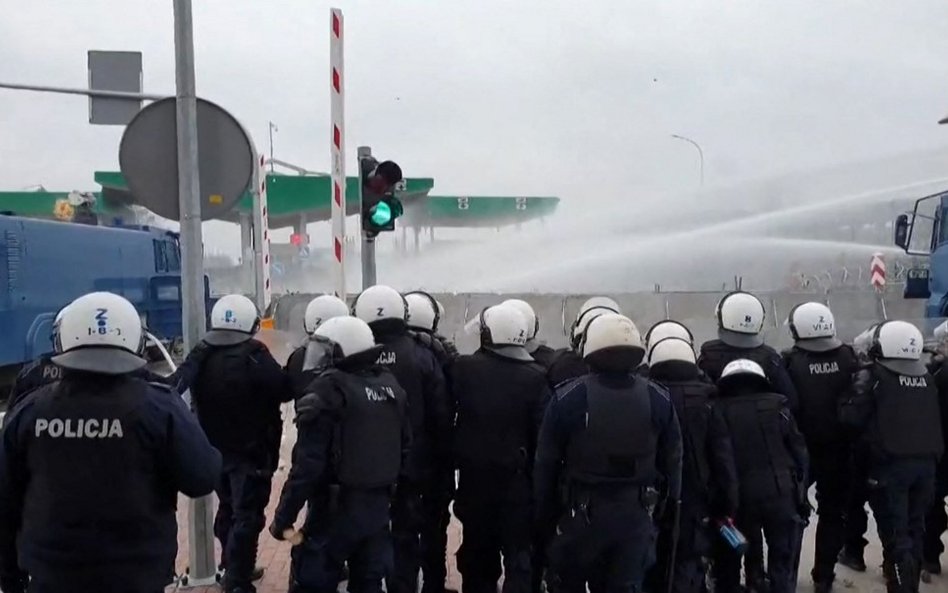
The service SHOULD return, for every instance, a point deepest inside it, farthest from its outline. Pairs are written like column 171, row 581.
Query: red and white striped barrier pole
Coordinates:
column 338, row 150
column 261, row 237
column 877, row 272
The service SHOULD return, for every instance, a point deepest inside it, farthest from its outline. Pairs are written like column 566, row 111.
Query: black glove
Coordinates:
column 309, row 407
column 14, row 582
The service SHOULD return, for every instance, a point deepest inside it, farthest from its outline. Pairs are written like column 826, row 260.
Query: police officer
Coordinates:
column 709, row 479
column 856, row 516
column 771, row 460
column 352, row 443
column 298, row 370
column 614, row 439
column 540, row 352
column 91, row 466
column 567, row 363
column 429, row 410
column 501, row 394
column 740, row 318
column 668, row 328
column 895, row 405
column 237, row 388
column 424, row 316
column 936, row 521
column 821, row 368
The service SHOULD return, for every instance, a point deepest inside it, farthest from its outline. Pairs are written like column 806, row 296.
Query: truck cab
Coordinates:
column 923, row 232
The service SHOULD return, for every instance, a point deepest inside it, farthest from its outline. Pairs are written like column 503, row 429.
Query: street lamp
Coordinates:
column 700, row 154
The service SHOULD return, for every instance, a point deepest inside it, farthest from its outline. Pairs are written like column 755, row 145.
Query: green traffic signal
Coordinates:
column 381, row 214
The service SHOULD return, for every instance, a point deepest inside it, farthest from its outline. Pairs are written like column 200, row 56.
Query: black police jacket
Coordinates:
column 823, row 381
column 565, row 365
column 566, row 418
column 500, row 406
column 90, row 470
column 709, row 476
column 429, row 403
column 352, row 431
column 769, row 452
column 237, row 391
column 715, row 355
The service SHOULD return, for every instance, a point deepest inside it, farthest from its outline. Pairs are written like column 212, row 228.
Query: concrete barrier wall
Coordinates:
column 854, row 311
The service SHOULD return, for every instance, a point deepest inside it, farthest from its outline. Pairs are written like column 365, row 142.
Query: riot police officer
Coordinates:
column 821, row 368
column 614, row 439
column 936, row 521
column 237, row 388
column 771, row 460
column 709, row 480
column 740, row 318
column 501, row 394
column 429, row 410
column 424, row 316
column 896, row 408
column 567, row 363
column 321, row 308
column 856, row 516
column 352, row 444
column 668, row 328
column 540, row 352
column 91, row 466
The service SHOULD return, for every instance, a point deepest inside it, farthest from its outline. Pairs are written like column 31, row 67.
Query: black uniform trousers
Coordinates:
column 607, row 542
column 900, row 495
column 408, row 522
column 936, row 521
column 783, row 529
column 829, row 469
column 243, row 492
column 353, row 530
column 694, row 545
column 856, row 516
column 497, row 517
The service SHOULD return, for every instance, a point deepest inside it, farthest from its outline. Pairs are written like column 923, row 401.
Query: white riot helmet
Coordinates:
column 54, row 331
column 668, row 328
column 503, row 329
column 740, row 318
column 669, row 350
column 100, row 332
column 533, row 322
column 321, row 309
column 612, row 342
column 897, row 345
column 744, row 370
column 424, row 312
column 598, row 301
column 813, row 327
column 234, row 320
column 380, row 303
column 582, row 322
column 350, row 335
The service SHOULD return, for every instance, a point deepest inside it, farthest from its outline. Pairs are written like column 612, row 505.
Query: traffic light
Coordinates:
column 380, row 207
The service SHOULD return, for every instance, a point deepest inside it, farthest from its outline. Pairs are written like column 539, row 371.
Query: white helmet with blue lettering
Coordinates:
column 740, row 318
column 322, row 308
column 897, row 345
column 234, row 320
column 100, row 332
column 380, row 303
column 813, row 327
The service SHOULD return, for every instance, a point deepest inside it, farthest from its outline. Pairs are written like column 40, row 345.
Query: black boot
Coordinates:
column 852, row 560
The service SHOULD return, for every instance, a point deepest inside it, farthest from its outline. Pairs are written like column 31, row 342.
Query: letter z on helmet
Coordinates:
column 102, row 333
column 234, row 320
column 503, row 328
column 379, row 303
column 813, row 327
column 322, row 308
column 533, row 322
column 740, row 318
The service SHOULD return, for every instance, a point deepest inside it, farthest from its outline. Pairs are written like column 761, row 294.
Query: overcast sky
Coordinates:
column 541, row 97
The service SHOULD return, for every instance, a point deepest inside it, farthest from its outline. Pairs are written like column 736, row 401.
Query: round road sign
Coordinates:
column 148, row 157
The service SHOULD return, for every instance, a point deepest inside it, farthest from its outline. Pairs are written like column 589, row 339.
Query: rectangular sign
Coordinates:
column 114, row 71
